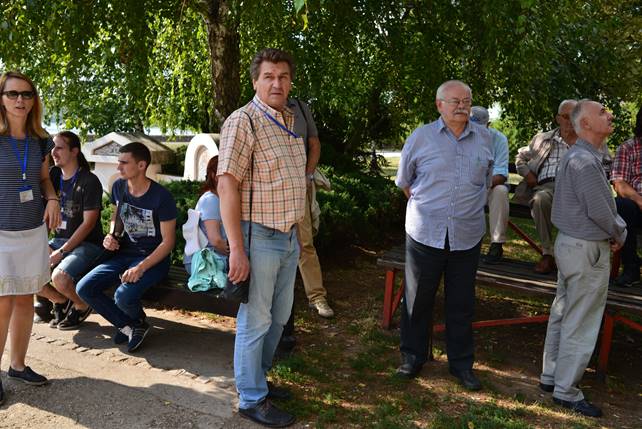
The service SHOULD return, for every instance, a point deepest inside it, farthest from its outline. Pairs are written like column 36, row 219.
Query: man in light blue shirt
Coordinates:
column 445, row 171
column 498, row 205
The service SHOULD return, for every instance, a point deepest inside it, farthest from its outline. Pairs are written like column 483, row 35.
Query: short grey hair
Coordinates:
column 442, row 88
column 578, row 113
column 564, row 103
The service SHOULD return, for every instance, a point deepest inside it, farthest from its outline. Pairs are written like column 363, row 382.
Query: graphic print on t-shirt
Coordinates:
column 138, row 222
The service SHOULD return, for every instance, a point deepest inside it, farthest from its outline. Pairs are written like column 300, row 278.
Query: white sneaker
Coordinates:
column 322, row 307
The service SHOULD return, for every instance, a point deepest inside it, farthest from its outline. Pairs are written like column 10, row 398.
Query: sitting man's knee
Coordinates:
column 500, row 191
column 61, row 280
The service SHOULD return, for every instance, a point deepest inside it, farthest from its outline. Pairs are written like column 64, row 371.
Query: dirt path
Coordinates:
column 181, row 378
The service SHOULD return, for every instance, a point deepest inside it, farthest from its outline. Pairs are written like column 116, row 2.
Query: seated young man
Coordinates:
column 140, row 257
column 77, row 242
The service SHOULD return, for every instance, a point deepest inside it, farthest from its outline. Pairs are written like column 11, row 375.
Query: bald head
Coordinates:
column 592, row 121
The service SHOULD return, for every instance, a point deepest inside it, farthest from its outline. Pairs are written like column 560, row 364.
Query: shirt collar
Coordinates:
column 441, row 126
column 286, row 112
column 587, row 146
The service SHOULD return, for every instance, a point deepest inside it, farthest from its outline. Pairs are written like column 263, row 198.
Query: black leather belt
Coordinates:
column 547, row 180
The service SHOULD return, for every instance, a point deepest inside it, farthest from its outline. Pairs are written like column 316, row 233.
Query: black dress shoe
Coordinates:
column 278, row 393
column 548, row 388
column 410, row 367
column 467, row 378
column 266, row 414
column 583, row 407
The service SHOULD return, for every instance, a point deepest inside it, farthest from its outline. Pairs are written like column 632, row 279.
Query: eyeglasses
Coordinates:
column 457, row 101
column 13, row 95
column 564, row 116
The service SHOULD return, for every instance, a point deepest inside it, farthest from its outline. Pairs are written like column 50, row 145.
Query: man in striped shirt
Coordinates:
column 261, row 185
column 589, row 227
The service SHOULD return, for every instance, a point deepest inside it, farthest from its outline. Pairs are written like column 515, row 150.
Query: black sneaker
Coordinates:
column 139, row 332
column 119, row 337
column 583, row 407
column 59, row 312
column 627, row 279
column 495, row 253
column 28, row 376
column 74, row 319
column 266, row 414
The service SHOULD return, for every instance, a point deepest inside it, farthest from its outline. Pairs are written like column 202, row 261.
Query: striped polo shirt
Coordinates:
column 14, row 215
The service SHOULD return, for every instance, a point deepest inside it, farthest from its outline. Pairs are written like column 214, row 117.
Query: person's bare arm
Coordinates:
column 89, row 219
column 168, row 234
column 52, row 209
column 213, row 230
column 314, row 153
column 229, row 194
column 624, row 190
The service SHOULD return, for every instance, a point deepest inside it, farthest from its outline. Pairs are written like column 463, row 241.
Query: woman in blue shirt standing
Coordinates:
column 24, row 183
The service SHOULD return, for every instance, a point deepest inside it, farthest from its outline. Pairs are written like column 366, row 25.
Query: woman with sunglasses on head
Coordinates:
column 24, row 183
column 78, row 241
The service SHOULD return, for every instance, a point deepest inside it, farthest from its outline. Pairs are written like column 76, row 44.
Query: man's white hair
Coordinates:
column 578, row 113
column 442, row 88
column 565, row 103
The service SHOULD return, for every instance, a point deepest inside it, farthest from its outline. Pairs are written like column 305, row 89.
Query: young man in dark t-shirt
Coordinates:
column 77, row 242
column 140, row 257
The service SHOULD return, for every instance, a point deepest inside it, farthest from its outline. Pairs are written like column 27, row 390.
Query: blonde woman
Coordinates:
column 24, row 183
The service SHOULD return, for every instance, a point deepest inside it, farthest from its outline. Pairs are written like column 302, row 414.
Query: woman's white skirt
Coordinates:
column 24, row 261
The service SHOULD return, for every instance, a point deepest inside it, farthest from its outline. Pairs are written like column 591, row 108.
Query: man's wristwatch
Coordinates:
column 310, row 176
column 62, row 252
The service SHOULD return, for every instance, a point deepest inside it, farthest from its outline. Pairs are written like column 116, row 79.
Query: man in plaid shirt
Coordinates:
column 262, row 162
column 627, row 180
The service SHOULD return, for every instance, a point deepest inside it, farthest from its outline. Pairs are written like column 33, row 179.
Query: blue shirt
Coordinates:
column 142, row 216
column 448, row 178
column 500, row 153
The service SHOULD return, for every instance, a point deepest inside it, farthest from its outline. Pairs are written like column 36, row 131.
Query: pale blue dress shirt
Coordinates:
column 448, row 179
column 500, row 153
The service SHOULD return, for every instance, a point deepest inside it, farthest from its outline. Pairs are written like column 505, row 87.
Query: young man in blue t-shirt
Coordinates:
column 140, row 252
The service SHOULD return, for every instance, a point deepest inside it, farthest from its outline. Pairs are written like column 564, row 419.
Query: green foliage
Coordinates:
column 362, row 208
column 177, row 168
column 368, row 68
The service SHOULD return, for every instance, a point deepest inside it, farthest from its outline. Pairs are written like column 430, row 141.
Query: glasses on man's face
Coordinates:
column 13, row 95
column 457, row 101
column 564, row 116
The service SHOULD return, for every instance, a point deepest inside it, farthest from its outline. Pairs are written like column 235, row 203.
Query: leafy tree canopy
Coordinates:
column 369, row 68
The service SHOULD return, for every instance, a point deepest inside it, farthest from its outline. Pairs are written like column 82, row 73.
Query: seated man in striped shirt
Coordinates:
column 589, row 227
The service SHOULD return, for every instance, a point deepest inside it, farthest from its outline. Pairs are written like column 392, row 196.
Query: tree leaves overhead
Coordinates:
column 369, row 68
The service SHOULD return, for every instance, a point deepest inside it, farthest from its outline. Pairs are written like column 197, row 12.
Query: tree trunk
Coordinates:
column 222, row 21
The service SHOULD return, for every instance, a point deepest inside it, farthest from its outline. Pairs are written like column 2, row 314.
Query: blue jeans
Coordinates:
column 125, row 309
column 273, row 262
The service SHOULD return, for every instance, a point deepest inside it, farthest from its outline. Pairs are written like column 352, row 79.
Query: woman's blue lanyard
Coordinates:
column 63, row 193
column 21, row 162
column 276, row 121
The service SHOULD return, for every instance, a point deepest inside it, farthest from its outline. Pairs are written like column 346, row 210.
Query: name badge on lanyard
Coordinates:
column 63, row 199
column 25, row 192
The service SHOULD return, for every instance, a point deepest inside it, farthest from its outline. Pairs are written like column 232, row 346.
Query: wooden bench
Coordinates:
column 173, row 292
column 514, row 275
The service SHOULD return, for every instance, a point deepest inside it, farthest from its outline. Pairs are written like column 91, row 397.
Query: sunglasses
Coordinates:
column 13, row 95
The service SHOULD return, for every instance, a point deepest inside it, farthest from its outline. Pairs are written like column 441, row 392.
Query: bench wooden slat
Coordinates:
column 173, row 292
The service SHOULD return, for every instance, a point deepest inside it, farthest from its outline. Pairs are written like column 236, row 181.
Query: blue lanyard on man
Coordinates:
column 63, row 193
column 25, row 192
column 276, row 121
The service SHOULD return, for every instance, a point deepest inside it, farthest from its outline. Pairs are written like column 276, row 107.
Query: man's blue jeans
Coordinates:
column 273, row 262
column 125, row 309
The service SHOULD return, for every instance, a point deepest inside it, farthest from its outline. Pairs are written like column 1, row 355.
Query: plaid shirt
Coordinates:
column 627, row 165
column 278, row 177
column 549, row 167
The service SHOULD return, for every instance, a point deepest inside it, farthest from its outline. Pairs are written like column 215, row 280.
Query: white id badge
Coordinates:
column 63, row 225
column 26, row 195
